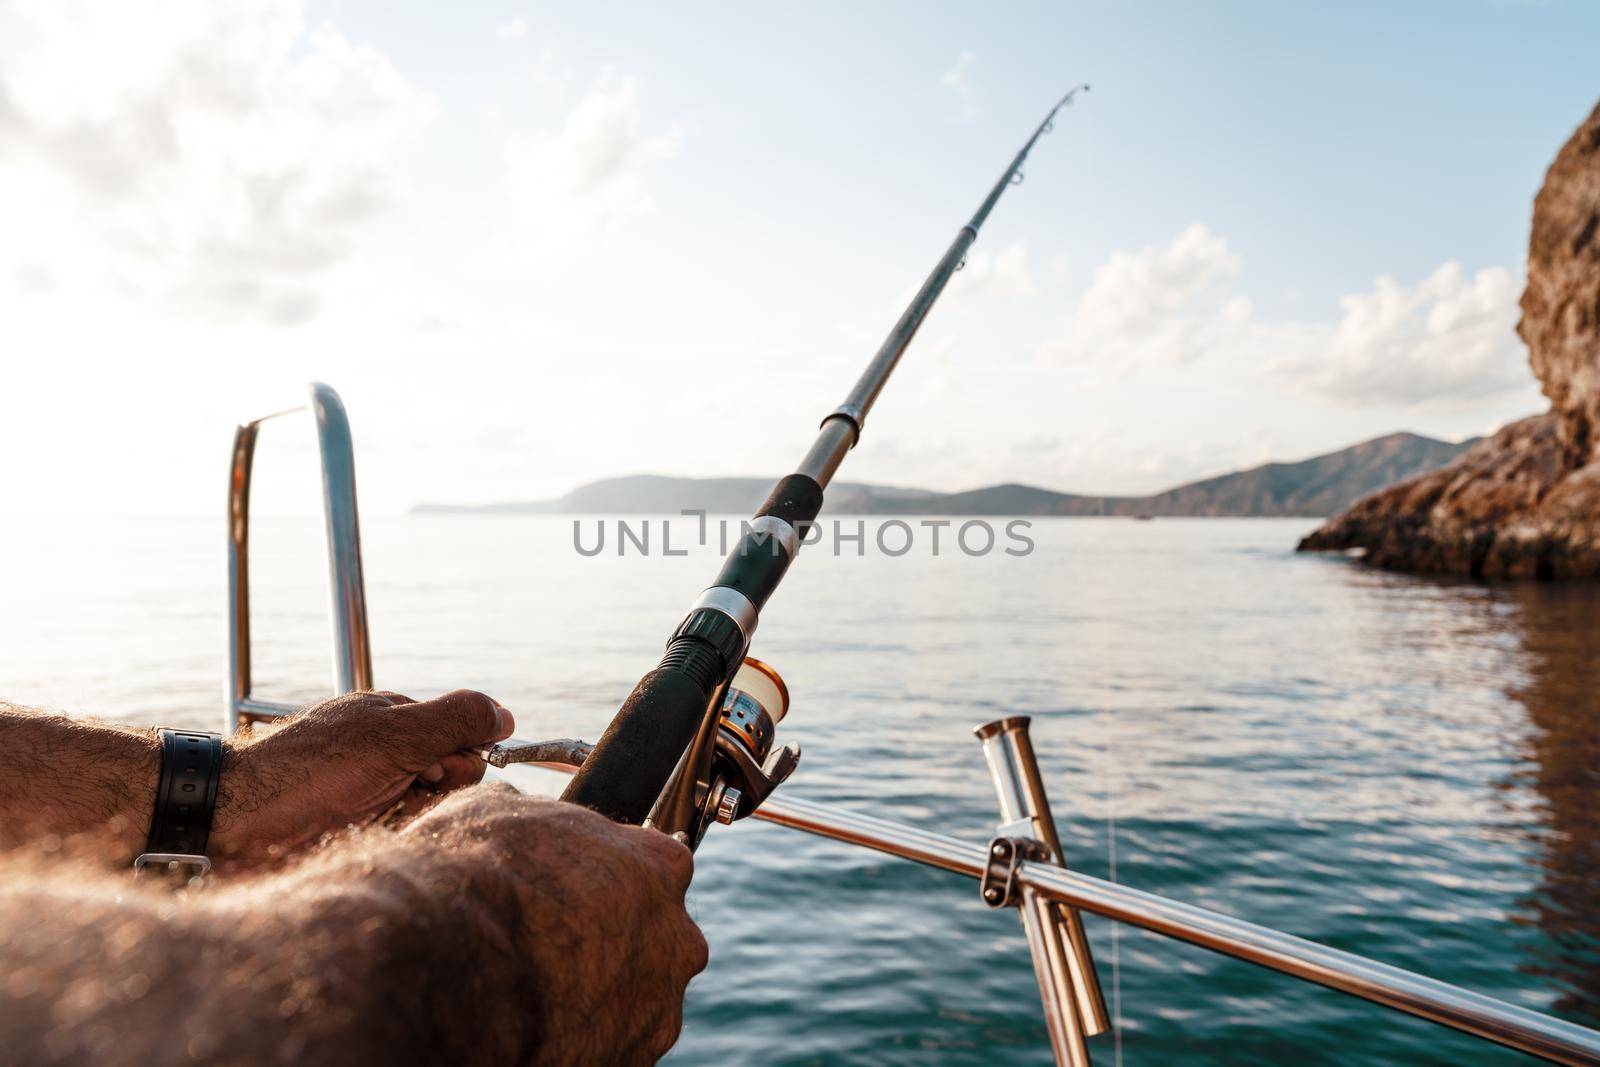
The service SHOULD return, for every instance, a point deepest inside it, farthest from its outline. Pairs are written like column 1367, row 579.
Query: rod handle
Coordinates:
column 636, row 755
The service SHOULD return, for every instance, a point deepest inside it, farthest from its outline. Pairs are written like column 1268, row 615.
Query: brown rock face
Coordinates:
column 1561, row 306
column 1526, row 502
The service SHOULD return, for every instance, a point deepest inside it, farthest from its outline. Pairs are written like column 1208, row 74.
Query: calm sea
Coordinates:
column 1398, row 766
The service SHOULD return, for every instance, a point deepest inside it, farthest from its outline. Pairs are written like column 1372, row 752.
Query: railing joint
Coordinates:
column 998, row 886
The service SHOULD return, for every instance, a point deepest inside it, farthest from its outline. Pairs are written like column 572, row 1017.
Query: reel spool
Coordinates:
column 745, row 768
column 756, row 703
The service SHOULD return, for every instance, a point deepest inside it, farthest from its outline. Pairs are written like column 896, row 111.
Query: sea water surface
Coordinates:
column 1402, row 767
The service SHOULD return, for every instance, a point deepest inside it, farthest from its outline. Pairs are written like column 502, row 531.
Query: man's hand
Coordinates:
column 347, row 761
column 598, row 911
column 494, row 929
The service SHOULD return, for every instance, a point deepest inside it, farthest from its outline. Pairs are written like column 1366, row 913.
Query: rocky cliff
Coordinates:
column 1524, row 503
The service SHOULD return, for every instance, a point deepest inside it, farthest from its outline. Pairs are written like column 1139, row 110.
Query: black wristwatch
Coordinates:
column 186, row 798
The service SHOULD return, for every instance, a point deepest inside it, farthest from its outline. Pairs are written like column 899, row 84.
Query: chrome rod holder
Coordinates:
column 1068, row 984
column 352, row 648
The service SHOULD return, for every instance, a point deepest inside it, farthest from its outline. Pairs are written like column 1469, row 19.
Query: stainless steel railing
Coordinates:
column 1482, row 1016
column 1043, row 888
column 1069, row 989
column 352, row 647
column 1473, row 1013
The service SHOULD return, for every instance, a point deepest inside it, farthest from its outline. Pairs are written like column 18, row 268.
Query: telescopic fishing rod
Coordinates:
column 693, row 741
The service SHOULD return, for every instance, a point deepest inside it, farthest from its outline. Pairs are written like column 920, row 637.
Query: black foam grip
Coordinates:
column 795, row 499
column 634, row 758
column 755, row 567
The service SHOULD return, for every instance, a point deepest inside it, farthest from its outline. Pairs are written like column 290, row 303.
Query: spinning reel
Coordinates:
column 745, row 767
column 729, row 770
column 732, row 765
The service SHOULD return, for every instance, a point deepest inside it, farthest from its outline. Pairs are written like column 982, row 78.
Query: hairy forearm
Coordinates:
column 63, row 779
column 90, row 786
column 378, row 951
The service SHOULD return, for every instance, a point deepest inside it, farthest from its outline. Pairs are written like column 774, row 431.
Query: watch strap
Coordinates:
column 186, row 794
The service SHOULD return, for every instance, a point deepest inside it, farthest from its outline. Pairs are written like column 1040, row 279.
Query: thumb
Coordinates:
column 435, row 728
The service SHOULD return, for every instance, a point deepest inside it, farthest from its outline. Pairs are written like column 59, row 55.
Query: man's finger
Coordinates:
column 433, row 729
column 457, row 771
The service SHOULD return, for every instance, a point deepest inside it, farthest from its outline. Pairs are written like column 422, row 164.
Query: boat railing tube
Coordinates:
column 347, row 597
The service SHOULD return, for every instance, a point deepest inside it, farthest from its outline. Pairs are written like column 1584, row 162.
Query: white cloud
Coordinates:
column 512, row 29
column 1006, row 273
column 936, row 367
column 1002, row 273
column 1110, row 456
column 1126, row 460
column 958, row 79
column 1158, row 305
column 1448, row 338
column 589, row 177
column 215, row 160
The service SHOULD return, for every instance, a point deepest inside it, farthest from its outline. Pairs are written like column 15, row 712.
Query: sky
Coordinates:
column 536, row 244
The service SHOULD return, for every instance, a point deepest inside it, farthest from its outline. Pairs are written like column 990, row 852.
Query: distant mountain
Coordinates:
column 1310, row 488
column 1321, row 485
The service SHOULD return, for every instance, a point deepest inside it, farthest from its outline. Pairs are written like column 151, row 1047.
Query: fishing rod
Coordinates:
column 693, row 741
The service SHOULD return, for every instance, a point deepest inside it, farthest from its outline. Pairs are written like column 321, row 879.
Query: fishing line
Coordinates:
column 1091, row 160
column 1111, row 876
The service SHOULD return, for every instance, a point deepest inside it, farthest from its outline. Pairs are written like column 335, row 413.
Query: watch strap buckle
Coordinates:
column 168, row 861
